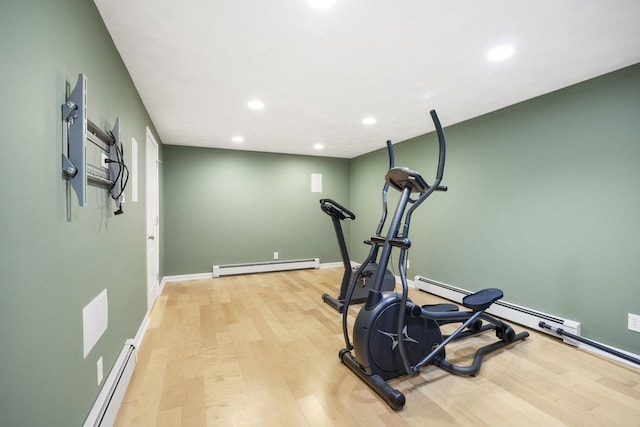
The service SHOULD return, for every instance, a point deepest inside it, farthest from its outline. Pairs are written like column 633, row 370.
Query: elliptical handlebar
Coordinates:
column 385, row 189
column 442, row 144
column 335, row 209
column 392, row 158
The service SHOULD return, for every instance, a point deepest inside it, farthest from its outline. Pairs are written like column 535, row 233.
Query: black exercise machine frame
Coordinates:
column 407, row 182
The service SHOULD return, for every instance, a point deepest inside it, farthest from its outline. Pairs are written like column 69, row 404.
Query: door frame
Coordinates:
column 152, row 219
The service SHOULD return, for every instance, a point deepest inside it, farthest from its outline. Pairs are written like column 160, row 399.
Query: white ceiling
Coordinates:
column 197, row 63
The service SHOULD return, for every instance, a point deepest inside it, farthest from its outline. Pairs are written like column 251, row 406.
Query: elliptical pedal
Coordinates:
column 441, row 307
column 482, row 300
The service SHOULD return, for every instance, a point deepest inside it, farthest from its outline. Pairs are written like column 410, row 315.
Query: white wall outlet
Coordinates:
column 100, row 370
column 408, row 264
column 275, row 255
column 103, row 161
column 634, row 322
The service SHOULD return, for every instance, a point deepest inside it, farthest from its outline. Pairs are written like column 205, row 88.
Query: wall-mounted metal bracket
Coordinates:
column 69, row 111
column 68, row 169
column 81, row 168
column 74, row 135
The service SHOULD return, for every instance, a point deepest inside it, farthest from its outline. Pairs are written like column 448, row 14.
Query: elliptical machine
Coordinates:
column 368, row 272
column 392, row 335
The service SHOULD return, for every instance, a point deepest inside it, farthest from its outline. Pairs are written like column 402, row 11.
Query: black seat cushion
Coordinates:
column 482, row 300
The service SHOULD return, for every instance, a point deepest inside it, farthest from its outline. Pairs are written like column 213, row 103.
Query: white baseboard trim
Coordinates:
column 330, row 265
column 184, row 277
column 200, row 276
column 610, row 356
column 265, row 266
column 142, row 330
column 105, row 408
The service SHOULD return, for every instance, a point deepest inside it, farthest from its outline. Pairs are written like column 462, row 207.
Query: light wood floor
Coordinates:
column 262, row 350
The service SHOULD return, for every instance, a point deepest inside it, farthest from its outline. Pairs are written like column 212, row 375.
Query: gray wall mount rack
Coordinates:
column 84, row 163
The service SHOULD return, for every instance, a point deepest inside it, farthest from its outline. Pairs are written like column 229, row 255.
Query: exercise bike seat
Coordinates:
column 482, row 300
column 443, row 307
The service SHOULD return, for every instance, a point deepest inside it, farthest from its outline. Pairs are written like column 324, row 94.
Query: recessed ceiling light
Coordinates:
column 237, row 139
column 321, row 4
column 368, row 120
column 500, row 52
column 318, row 146
column 255, row 104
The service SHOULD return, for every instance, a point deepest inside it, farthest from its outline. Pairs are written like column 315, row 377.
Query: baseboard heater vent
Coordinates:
column 105, row 409
column 264, row 267
column 512, row 312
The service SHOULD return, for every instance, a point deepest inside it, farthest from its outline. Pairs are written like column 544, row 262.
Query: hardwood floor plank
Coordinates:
column 170, row 417
column 194, row 409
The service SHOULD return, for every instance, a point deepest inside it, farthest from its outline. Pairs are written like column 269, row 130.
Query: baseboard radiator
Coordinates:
column 512, row 312
column 105, row 409
column 265, row 267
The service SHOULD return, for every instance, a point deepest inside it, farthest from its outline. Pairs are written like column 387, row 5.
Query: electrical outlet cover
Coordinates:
column 100, row 370
column 103, row 161
column 634, row 322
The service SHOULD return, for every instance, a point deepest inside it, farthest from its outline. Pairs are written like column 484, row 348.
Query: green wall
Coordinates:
column 543, row 202
column 226, row 206
column 56, row 259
